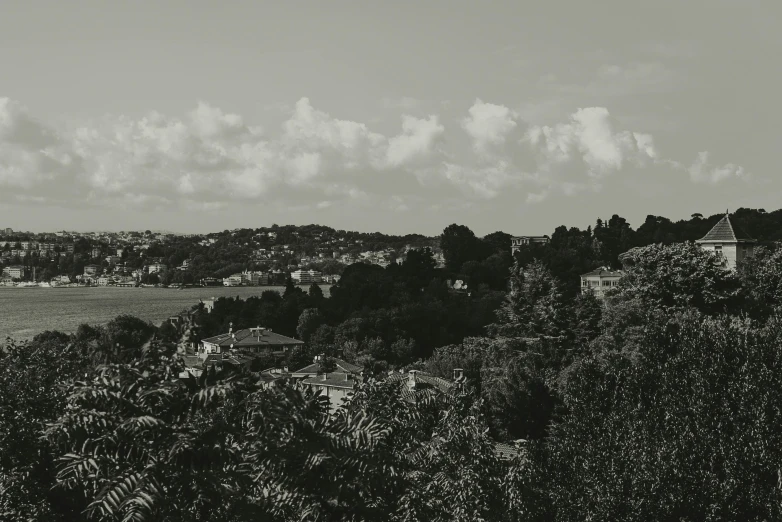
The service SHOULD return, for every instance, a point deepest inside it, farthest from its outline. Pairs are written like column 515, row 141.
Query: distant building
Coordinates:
column 9, row 231
column 91, row 270
column 255, row 278
column 729, row 241
column 233, row 280
column 15, row 271
column 600, row 280
column 113, row 260
column 155, row 268
column 307, row 276
column 519, row 241
column 95, row 252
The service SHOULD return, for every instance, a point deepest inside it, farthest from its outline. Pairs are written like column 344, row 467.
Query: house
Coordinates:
column 600, row 280
column 306, row 276
column 91, row 270
column 249, row 341
column 14, row 271
column 415, row 383
column 335, row 385
column 517, row 242
column 155, row 268
column 271, row 376
column 255, row 278
column 729, row 241
column 233, row 280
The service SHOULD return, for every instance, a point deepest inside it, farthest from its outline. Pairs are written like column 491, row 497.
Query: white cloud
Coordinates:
column 416, row 141
column 701, row 172
column 209, row 159
column 590, row 137
column 488, row 124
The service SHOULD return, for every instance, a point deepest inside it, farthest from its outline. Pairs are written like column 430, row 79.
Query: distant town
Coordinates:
column 242, row 257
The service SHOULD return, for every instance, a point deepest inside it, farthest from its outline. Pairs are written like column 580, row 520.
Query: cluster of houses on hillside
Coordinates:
column 725, row 239
column 334, row 378
column 239, row 348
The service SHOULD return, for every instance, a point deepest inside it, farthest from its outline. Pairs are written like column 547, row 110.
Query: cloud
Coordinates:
column 416, row 141
column 701, row 172
column 209, row 159
column 488, row 124
column 590, row 137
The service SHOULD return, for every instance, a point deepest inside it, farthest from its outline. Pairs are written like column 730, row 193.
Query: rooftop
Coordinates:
column 603, row 272
column 726, row 231
column 341, row 366
column 334, row 380
column 252, row 337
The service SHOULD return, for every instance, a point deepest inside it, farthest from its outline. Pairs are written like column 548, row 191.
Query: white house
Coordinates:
column 729, row 241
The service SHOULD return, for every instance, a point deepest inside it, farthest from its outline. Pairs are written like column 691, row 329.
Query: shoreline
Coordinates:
column 28, row 313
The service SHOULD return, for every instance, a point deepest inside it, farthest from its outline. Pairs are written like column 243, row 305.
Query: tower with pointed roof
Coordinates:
column 730, row 241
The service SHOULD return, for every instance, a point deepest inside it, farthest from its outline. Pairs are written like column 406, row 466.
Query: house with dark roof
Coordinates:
column 728, row 241
column 249, row 342
column 314, row 369
column 600, row 280
column 336, row 384
column 237, row 349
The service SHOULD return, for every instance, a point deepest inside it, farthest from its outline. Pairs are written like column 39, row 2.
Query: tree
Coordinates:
column 31, row 397
column 586, row 317
column 460, row 245
column 309, row 321
column 141, row 445
column 534, row 306
column 690, row 430
column 316, row 294
column 761, row 281
column 681, row 274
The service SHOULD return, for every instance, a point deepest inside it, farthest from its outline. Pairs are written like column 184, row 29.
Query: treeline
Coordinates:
column 572, row 252
column 378, row 317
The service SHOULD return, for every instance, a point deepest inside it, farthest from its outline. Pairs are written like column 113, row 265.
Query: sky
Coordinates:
column 393, row 116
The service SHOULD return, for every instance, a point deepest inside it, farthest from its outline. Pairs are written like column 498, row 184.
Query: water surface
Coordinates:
column 25, row 312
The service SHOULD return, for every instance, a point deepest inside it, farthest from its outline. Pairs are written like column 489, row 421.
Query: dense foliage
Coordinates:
column 662, row 401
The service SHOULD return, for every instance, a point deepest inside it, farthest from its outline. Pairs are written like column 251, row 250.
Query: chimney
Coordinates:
column 324, row 377
column 285, row 369
column 458, row 373
column 411, row 378
column 230, row 329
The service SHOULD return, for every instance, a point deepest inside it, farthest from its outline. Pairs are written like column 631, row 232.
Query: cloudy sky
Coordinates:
column 396, row 116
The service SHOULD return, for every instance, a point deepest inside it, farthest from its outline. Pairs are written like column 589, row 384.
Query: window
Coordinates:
column 718, row 248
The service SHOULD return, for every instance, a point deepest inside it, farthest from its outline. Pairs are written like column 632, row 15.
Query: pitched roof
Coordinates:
column 335, row 380
column 342, row 366
column 603, row 272
column 422, row 382
column 252, row 337
column 724, row 230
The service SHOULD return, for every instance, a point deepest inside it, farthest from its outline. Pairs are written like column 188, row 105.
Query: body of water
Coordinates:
column 25, row 312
